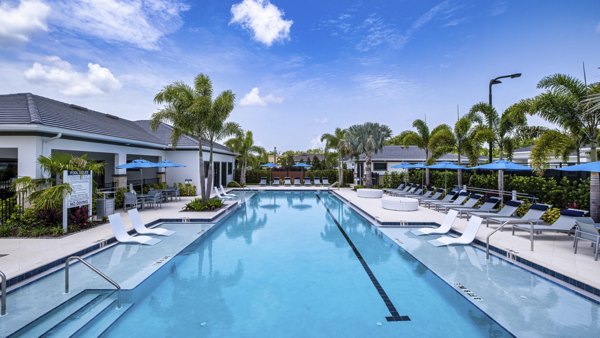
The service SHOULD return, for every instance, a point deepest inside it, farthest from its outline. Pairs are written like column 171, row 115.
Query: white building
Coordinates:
column 523, row 155
column 32, row 125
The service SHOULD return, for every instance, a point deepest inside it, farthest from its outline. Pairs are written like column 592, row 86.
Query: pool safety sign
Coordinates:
column 81, row 194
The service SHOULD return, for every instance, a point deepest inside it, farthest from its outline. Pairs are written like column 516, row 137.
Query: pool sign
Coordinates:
column 81, row 194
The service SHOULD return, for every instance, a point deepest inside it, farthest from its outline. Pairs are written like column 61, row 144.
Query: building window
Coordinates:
column 380, row 166
column 229, row 168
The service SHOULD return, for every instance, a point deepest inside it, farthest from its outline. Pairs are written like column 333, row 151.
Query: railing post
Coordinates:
column 3, row 295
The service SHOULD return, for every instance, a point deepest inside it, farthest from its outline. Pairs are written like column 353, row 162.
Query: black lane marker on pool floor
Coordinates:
column 395, row 316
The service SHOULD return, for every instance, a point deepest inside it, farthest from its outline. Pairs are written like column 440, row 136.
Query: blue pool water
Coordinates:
column 281, row 266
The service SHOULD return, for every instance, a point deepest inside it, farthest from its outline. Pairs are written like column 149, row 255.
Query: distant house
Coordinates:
column 31, row 125
column 389, row 156
column 523, row 155
column 308, row 157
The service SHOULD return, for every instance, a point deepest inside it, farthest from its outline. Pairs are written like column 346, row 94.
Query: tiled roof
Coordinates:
column 27, row 108
column 164, row 132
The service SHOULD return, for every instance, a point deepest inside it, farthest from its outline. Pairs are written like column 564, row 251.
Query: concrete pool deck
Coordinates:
column 552, row 250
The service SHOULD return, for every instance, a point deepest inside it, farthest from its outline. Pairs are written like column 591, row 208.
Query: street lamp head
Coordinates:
column 512, row 76
column 496, row 81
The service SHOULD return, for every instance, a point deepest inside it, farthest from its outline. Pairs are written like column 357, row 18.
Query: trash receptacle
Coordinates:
column 106, row 205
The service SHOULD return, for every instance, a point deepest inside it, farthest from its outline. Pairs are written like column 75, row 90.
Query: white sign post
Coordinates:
column 81, row 194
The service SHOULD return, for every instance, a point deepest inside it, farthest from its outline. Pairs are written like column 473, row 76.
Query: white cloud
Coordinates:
column 17, row 23
column 316, row 142
column 60, row 74
column 253, row 98
column 263, row 18
column 141, row 22
column 321, row 121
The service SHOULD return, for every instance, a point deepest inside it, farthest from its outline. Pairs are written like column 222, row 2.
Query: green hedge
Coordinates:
column 561, row 193
column 253, row 176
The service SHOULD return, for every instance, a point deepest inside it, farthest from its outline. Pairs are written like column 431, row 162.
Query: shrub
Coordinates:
column 551, row 215
column 120, row 197
column 186, row 189
column 233, row 184
column 393, row 179
column 79, row 217
column 198, row 204
column 358, row 187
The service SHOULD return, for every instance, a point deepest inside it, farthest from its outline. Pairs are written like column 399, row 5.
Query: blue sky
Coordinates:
column 298, row 68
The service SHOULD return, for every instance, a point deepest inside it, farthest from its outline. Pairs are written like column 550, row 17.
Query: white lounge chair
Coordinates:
column 118, row 229
column 317, row 181
column 287, row 181
column 442, row 229
column 139, row 226
column 221, row 196
column 465, row 239
column 325, row 181
column 263, row 181
column 297, row 181
column 224, row 193
column 307, row 181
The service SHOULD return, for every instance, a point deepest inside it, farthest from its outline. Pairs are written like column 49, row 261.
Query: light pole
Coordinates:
column 493, row 82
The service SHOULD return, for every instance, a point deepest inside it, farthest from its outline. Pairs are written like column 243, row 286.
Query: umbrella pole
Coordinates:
column 142, row 179
column 501, row 183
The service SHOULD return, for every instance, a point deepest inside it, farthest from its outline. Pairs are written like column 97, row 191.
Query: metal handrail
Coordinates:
column 512, row 221
column 487, row 239
column 3, row 306
column 93, row 268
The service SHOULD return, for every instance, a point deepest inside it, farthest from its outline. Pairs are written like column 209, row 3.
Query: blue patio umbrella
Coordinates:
column 592, row 167
column 446, row 166
column 501, row 166
column 138, row 164
column 302, row 165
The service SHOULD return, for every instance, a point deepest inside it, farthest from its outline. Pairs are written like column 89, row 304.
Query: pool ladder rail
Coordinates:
column 3, row 301
column 512, row 253
column 93, row 268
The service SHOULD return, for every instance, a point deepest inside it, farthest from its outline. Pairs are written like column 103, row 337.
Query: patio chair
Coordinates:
column 156, row 198
column 442, row 229
column 176, row 193
column 317, row 181
column 487, row 206
column 139, row 226
column 401, row 188
column 449, row 196
column 287, row 181
column 586, row 230
column 131, row 200
column 534, row 213
column 224, row 193
column 411, row 190
column 417, row 191
column 508, row 210
column 297, row 181
column 470, row 203
column 263, row 181
column 221, row 196
column 462, row 196
column 307, row 181
column 118, row 229
column 276, row 181
column 435, row 195
column 325, row 181
column 466, row 238
column 565, row 223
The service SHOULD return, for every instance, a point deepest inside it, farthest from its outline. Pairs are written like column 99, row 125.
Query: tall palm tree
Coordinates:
column 338, row 141
column 435, row 143
column 190, row 110
column 243, row 144
column 367, row 139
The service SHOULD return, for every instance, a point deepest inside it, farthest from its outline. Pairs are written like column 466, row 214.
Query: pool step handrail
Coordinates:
column 98, row 272
column 3, row 301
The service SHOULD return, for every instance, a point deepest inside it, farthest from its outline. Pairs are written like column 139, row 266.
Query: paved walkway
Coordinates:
column 26, row 254
column 552, row 250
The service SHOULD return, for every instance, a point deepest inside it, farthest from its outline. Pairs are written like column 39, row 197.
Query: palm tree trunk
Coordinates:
column 340, row 173
column 243, row 173
column 427, row 180
column 368, row 175
column 202, row 173
column 211, row 172
column 459, row 172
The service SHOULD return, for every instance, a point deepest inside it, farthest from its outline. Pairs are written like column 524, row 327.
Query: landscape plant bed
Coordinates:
column 198, row 204
column 41, row 231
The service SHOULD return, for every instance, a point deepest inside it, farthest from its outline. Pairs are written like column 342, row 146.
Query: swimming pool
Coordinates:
column 280, row 266
column 303, row 263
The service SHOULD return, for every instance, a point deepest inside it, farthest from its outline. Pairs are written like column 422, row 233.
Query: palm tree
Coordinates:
column 338, row 141
column 243, row 144
column 435, row 143
column 367, row 139
column 192, row 112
